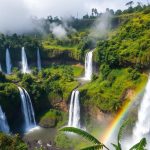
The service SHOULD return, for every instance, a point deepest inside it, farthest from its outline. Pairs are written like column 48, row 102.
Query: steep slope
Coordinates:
column 122, row 58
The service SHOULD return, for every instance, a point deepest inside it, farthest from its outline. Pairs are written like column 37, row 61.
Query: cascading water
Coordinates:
column 27, row 109
column 88, row 66
column 25, row 68
column 38, row 60
column 3, row 122
column 0, row 68
column 74, row 110
column 8, row 62
column 142, row 126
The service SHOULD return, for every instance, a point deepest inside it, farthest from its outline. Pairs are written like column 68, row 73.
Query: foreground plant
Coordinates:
column 97, row 145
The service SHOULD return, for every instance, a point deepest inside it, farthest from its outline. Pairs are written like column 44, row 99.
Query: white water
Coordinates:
column 8, row 62
column 0, row 68
column 142, row 126
column 74, row 110
column 25, row 68
column 38, row 60
column 3, row 122
column 88, row 66
column 27, row 109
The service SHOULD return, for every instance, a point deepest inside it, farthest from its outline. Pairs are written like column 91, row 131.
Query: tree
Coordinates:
column 94, row 12
column 118, row 12
column 130, row 3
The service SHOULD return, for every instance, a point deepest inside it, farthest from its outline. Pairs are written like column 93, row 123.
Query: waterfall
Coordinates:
column 3, row 122
column 8, row 62
column 38, row 60
column 88, row 66
column 142, row 126
column 25, row 68
column 27, row 109
column 74, row 110
column 0, row 68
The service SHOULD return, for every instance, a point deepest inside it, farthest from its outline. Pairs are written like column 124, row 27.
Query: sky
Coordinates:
column 71, row 7
column 15, row 14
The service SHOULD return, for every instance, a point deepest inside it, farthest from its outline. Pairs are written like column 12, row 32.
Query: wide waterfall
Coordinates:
column 8, row 62
column 142, row 127
column 88, row 66
column 38, row 60
column 3, row 122
column 74, row 111
column 27, row 109
column 25, row 68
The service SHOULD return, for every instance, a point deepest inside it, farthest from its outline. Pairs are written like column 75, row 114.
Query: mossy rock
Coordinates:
column 50, row 119
column 48, row 122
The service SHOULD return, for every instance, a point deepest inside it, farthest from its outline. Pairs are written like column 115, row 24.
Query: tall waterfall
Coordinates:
column 142, row 127
column 8, row 62
column 74, row 110
column 25, row 68
column 27, row 109
column 0, row 67
column 38, row 60
column 3, row 122
column 88, row 66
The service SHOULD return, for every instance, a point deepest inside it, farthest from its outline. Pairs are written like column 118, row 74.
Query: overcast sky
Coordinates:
column 17, row 12
column 71, row 7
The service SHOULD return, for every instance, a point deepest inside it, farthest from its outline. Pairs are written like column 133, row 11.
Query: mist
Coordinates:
column 15, row 16
column 101, row 26
column 58, row 31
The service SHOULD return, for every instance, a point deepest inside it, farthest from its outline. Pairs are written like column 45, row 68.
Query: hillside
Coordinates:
column 121, row 61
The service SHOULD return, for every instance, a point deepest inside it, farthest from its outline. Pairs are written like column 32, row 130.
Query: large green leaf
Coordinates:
column 139, row 146
column 82, row 133
column 94, row 147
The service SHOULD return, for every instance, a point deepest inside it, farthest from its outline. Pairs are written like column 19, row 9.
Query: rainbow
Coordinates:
column 119, row 117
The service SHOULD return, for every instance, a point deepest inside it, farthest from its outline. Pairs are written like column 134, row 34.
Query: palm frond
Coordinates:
column 82, row 133
column 139, row 146
column 121, row 130
column 94, row 147
column 117, row 147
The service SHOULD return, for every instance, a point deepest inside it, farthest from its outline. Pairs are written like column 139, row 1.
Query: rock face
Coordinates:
column 60, row 105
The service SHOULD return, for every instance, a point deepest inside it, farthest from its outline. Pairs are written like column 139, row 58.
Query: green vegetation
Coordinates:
column 8, row 142
column 51, row 118
column 122, row 56
column 110, row 90
column 48, row 89
column 97, row 145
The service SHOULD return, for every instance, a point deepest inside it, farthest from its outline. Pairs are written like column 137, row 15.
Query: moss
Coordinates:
column 8, row 142
column 51, row 118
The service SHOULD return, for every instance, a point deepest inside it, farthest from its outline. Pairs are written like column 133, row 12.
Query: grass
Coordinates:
column 77, row 70
column 108, row 94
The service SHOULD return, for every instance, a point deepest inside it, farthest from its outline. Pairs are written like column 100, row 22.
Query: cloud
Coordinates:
column 73, row 7
column 16, row 15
